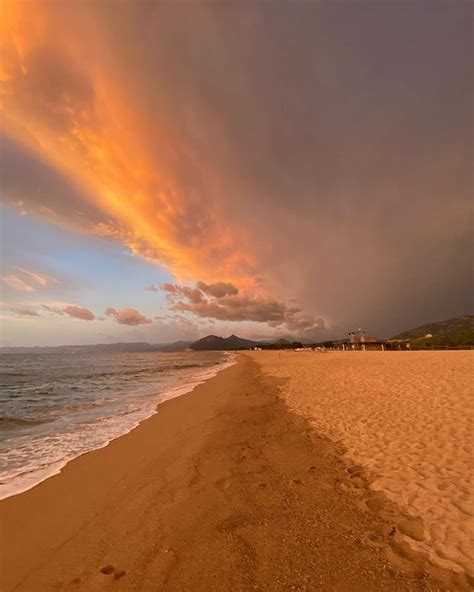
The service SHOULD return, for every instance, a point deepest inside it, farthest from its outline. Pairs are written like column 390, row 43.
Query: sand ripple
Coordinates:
column 407, row 417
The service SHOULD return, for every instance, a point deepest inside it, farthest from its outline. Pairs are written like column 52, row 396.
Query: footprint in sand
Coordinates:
column 110, row 569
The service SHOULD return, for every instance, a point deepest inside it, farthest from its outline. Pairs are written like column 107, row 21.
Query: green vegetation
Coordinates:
column 282, row 344
column 440, row 328
column 460, row 338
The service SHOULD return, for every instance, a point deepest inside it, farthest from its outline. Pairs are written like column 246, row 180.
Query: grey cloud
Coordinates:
column 35, row 187
column 330, row 141
column 239, row 307
column 194, row 295
column 27, row 312
column 218, row 289
column 53, row 309
column 340, row 136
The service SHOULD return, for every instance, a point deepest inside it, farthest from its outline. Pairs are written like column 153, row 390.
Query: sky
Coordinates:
column 174, row 169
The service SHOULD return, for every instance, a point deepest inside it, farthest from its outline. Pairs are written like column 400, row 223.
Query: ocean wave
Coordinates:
column 140, row 372
column 20, row 421
column 89, row 416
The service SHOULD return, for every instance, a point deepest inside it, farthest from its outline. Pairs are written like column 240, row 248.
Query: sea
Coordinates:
column 57, row 406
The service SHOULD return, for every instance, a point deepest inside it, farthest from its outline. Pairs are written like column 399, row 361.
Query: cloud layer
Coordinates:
column 307, row 151
column 224, row 302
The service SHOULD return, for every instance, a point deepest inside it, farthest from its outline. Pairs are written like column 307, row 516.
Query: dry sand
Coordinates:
column 224, row 489
column 406, row 418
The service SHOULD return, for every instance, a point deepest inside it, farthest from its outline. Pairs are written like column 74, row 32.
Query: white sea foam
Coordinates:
column 31, row 455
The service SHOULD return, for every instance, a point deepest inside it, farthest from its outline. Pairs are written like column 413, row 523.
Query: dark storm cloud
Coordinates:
column 324, row 148
column 34, row 186
column 344, row 150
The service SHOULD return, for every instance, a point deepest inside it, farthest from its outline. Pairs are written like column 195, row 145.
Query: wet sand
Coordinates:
column 223, row 489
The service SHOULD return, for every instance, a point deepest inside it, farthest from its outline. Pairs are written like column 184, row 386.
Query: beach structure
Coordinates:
column 365, row 342
column 361, row 343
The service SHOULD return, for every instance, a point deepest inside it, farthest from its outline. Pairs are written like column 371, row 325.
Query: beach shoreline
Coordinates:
column 224, row 488
column 97, row 413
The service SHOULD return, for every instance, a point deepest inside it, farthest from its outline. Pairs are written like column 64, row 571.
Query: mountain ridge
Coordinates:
column 207, row 343
column 458, row 328
column 214, row 342
column 438, row 328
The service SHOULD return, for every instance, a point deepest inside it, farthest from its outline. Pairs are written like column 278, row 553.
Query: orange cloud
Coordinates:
column 215, row 141
column 71, row 310
column 79, row 313
column 36, row 277
column 70, row 104
column 23, row 280
column 17, row 283
column 128, row 316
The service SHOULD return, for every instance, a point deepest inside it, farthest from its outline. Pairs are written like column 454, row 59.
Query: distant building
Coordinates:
column 358, row 341
column 365, row 342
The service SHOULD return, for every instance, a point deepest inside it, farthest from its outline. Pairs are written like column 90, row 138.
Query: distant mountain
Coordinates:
column 213, row 342
column 440, row 328
column 139, row 346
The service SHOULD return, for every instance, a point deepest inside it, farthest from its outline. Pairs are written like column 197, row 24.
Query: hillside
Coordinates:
column 440, row 328
column 213, row 342
column 457, row 332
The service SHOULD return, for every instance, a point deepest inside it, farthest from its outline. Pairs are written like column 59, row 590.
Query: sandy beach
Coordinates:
column 228, row 488
column 407, row 421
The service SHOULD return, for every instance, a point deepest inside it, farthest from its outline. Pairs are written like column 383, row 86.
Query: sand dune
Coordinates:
column 407, row 419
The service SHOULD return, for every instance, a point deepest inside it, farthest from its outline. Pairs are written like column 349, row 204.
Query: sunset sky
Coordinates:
column 173, row 169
